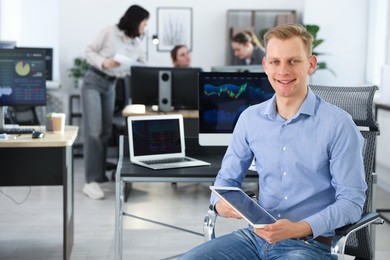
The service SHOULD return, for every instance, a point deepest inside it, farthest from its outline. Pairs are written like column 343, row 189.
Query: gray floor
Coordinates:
column 33, row 229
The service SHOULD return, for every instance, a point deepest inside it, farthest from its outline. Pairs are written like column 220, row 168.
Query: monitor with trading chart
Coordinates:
column 22, row 78
column 150, row 84
column 222, row 98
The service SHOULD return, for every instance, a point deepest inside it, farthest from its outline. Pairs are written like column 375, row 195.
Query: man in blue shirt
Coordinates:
column 308, row 156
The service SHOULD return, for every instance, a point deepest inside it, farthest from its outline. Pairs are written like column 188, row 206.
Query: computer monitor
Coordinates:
column 222, row 98
column 238, row 68
column 180, row 85
column 22, row 79
column 48, row 58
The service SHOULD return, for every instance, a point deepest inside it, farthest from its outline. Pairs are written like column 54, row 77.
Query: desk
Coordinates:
column 127, row 172
column 43, row 162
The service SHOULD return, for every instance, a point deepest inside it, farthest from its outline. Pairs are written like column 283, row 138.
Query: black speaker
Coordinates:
column 164, row 90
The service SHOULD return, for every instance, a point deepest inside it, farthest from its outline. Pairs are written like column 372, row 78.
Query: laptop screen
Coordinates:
column 153, row 137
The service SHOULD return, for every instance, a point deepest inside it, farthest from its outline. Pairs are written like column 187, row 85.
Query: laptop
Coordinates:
column 157, row 142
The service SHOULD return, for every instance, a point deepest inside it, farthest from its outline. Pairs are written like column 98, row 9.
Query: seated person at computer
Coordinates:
column 247, row 49
column 181, row 56
column 311, row 185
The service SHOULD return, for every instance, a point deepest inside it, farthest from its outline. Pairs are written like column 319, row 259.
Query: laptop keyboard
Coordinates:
column 168, row 160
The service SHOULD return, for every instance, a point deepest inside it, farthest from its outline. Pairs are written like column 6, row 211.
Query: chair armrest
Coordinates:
column 342, row 234
column 211, row 217
column 209, row 224
column 366, row 219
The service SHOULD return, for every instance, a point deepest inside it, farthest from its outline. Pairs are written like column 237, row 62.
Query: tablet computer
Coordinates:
column 251, row 211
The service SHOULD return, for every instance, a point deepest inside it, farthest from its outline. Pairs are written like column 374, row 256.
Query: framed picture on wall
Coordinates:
column 174, row 26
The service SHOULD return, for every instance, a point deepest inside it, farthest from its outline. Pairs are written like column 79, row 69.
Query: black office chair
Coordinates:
column 23, row 115
column 357, row 239
column 122, row 96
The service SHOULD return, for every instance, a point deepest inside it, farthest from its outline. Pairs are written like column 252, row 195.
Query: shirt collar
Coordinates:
column 309, row 104
column 307, row 107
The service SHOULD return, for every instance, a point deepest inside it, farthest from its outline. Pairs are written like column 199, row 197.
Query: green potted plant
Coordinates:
column 313, row 30
column 49, row 122
column 77, row 72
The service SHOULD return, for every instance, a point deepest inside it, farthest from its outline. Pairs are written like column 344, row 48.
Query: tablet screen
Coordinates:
column 248, row 208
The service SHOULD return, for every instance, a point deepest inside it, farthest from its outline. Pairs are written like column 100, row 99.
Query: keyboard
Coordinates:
column 16, row 130
column 168, row 160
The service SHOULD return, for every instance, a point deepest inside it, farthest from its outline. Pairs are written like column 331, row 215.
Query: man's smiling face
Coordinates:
column 288, row 65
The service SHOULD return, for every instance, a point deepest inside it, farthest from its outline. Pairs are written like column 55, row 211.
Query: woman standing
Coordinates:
column 98, row 90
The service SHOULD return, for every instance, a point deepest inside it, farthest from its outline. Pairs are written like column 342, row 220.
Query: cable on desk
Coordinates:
column 17, row 202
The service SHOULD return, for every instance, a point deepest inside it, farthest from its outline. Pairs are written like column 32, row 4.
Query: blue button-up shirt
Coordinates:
column 310, row 166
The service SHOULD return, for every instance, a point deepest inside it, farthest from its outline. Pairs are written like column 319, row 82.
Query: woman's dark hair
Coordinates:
column 175, row 50
column 130, row 21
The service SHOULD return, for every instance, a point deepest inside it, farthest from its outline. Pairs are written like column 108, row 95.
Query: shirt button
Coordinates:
column 284, row 148
column 284, row 173
column 285, row 198
column 279, row 215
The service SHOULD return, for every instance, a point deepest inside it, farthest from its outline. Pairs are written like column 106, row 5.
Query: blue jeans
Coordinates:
column 245, row 244
column 98, row 98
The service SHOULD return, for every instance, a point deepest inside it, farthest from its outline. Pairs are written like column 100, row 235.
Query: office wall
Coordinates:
column 345, row 44
column 209, row 25
column 344, row 29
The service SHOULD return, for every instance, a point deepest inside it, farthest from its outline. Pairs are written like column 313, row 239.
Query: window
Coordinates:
column 378, row 40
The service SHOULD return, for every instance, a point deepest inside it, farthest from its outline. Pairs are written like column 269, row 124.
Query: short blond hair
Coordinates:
column 288, row 31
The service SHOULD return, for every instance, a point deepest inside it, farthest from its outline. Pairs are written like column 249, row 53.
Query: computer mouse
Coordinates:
column 37, row 134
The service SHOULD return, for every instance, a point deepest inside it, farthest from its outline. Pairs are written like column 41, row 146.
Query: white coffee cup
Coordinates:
column 58, row 120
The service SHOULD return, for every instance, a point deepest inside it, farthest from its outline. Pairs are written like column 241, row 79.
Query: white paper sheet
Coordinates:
column 125, row 63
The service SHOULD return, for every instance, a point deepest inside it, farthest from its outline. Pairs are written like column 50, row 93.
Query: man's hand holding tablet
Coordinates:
column 247, row 208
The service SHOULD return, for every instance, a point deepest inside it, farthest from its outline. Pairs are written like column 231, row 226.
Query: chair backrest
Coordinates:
column 23, row 115
column 358, row 102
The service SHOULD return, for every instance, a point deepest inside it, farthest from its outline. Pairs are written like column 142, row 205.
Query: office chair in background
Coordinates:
column 23, row 115
column 356, row 239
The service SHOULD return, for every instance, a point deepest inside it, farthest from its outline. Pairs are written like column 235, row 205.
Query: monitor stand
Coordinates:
column 164, row 90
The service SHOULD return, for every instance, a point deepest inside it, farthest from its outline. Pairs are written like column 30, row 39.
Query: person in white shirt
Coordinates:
column 98, row 89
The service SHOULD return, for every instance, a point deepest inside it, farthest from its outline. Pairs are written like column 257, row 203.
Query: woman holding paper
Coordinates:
column 110, row 55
